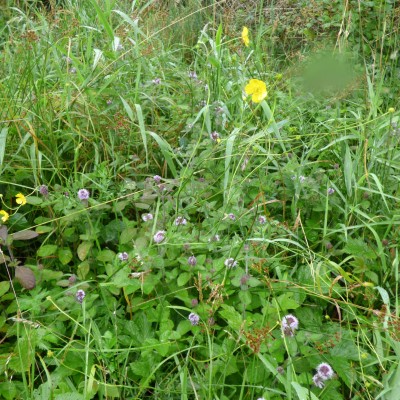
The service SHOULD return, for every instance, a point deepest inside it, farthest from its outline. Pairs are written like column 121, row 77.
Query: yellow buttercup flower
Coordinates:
column 257, row 89
column 21, row 199
column 5, row 215
column 245, row 36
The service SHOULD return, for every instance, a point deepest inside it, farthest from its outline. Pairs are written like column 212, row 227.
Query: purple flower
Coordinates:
column 109, row 102
column 123, row 256
column 192, row 261
column 230, row 262
column 318, row 381
column 147, row 217
column 289, row 324
column 192, row 75
column 194, row 318
column 325, row 371
column 72, row 70
column 195, row 302
column 72, row 279
column 215, row 238
column 159, row 236
column 180, row 221
column 156, row 81
column 80, row 295
column 262, row 219
column 83, row 194
column 302, row 178
column 331, row 191
column 214, row 136
column 157, row 178
column 232, row 216
column 44, row 190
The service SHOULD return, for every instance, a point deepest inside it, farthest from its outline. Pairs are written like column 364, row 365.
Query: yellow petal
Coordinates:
column 5, row 215
column 245, row 36
column 21, row 199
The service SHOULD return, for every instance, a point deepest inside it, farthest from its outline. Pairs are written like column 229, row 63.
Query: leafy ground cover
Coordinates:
column 199, row 201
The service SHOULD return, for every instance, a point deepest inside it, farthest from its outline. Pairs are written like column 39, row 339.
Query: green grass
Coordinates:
column 142, row 104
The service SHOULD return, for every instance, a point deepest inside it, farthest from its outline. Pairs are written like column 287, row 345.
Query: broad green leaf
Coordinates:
column 183, row 278
column 231, row 316
column 127, row 235
column 64, row 255
column 4, row 287
column 83, row 270
column 47, row 250
column 106, row 255
column 24, row 235
column 303, row 393
column 83, row 250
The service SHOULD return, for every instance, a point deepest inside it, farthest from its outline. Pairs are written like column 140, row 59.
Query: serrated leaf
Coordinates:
column 24, row 235
column 64, row 255
column 4, row 287
column 358, row 248
column 47, row 250
column 127, row 235
column 183, row 278
column 83, row 250
column 231, row 316
column 25, row 277
column 106, row 255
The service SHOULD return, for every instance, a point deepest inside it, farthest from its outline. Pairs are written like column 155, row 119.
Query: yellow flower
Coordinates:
column 257, row 89
column 21, row 199
column 5, row 215
column 245, row 36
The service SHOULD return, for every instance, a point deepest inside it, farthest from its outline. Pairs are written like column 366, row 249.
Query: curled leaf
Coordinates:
column 25, row 277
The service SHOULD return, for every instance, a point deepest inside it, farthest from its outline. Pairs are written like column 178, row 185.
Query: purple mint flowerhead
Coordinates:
column 318, row 381
column 232, row 216
column 159, row 236
column 194, row 318
column 262, row 219
column 80, row 295
column 192, row 261
column 331, row 191
column 109, row 102
column 325, row 371
column 157, row 178
column 230, row 262
column 147, row 217
column 302, row 178
column 44, row 190
column 123, row 256
column 244, row 279
column 214, row 136
column 180, row 221
column 195, row 302
column 156, row 81
column 289, row 325
column 192, row 75
column 83, row 194
column 72, row 279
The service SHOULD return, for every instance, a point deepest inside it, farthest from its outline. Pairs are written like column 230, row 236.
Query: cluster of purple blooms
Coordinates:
column 159, row 236
column 289, row 325
column 147, row 217
column 80, row 295
column 83, row 194
column 324, row 373
column 230, row 262
column 194, row 319
column 180, row 221
column 123, row 256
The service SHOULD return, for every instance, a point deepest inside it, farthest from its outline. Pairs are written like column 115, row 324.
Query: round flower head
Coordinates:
column 331, row 191
column 194, row 318
column 192, row 74
column 44, row 190
column 157, row 178
column 262, row 219
column 156, row 81
column 147, row 217
column 230, row 262
column 289, row 324
column 325, row 371
column 318, row 381
column 123, row 256
column 245, row 36
column 20, row 199
column 215, row 136
column 257, row 90
column 83, row 194
column 80, row 295
column 180, row 221
column 159, row 236
column 192, row 261
column 232, row 216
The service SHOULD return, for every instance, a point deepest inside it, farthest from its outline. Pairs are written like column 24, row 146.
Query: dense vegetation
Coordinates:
column 200, row 200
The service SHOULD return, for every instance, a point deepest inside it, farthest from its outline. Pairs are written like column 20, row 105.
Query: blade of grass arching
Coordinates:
column 271, row 120
column 348, row 171
column 166, row 151
column 3, row 140
column 303, row 393
column 228, row 157
column 131, row 22
column 103, row 19
column 183, row 376
column 142, row 130
column 379, row 186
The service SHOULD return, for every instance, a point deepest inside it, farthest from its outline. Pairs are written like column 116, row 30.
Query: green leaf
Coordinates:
column 358, row 248
column 24, row 235
column 34, row 200
column 106, row 255
column 4, row 287
column 231, row 316
column 64, row 255
column 348, row 171
column 303, row 393
column 127, row 235
column 183, row 278
column 47, row 250
column 83, row 270
column 83, row 250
